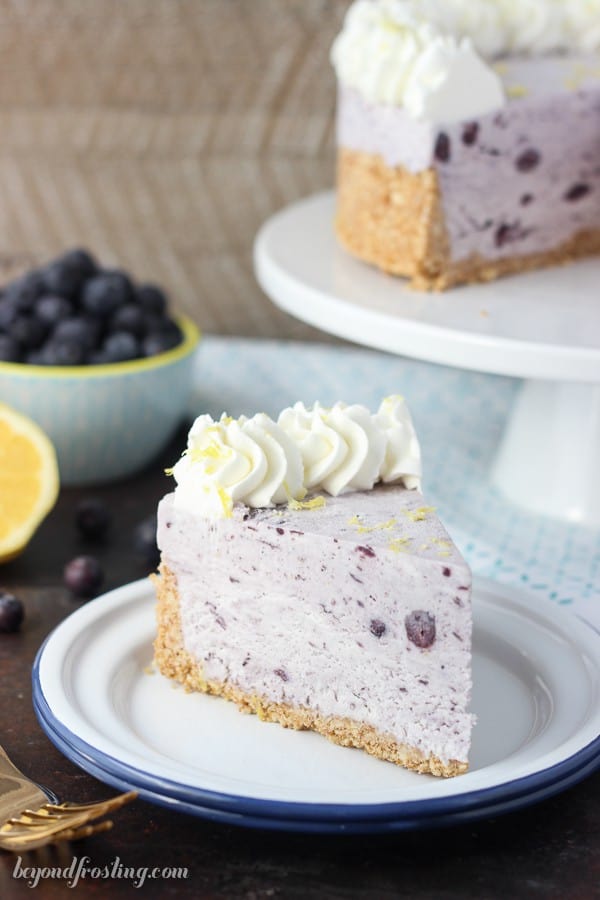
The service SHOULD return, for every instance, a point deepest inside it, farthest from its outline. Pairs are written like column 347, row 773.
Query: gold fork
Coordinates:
column 29, row 821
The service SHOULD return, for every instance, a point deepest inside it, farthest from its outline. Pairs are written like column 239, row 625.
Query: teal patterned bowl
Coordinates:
column 107, row 421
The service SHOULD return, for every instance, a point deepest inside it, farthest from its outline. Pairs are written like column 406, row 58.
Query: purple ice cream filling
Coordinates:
column 310, row 607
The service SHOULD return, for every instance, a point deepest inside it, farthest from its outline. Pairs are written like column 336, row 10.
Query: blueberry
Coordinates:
column 509, row 232
column 83, row 576
column 442, row 147
column 35, row 358
column 94, row 330
column 470, row 133
column 144, row 542
column 9, row 310
column 82, row 261
column 127, row 287
column 82, row 330
column 120, row 346
column 128, row 318
column 105, row 292
column 93, row 519
column 73, row 313
column 9, row 349
column 52, row 309
column 98, row 358
column 151, row 298
column 577, row 192
column 377, row 627
column 62, row 352
column 527, row 160
column 63, row 277
column 420, row 628
column 25, row 290
column 169, row 326
column 365, row 551
column 154, row 322
column 158, row 342
column 28, row 331
column 11, row 613
column 503, row 234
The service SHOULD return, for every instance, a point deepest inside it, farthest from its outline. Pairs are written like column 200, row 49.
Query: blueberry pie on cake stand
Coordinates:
column 468, row 147
column 468, row 137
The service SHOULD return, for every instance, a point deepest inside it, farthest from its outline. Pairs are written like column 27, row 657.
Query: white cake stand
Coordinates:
column 543, row 327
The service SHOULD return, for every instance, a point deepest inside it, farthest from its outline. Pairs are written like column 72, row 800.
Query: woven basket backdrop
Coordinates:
column 161, row 134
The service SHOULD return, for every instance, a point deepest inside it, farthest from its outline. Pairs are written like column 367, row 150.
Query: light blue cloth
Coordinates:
column 459, row 418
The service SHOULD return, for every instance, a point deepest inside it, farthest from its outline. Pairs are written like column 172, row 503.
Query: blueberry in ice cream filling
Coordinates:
column 377, row 627
column 420, row 628
column 527, row 160
column 577, row 192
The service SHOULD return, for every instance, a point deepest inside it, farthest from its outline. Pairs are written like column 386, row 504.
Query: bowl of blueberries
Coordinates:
column 98, row 361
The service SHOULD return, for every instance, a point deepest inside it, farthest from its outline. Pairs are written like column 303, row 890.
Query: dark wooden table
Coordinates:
column 551, row 850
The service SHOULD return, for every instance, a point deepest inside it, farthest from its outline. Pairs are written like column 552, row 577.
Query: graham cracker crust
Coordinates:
column 173, row 661
column 393, row 219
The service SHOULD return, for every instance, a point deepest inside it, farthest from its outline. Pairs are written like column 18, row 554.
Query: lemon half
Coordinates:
column 29, row 480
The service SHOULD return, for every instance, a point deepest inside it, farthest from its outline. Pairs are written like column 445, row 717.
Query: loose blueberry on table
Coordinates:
column 93, row 519
column 72, row 312
column 83, row 576
column 11, row 613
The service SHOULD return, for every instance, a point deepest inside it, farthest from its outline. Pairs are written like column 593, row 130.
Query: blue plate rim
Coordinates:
column 267, row 813
column 312, row 826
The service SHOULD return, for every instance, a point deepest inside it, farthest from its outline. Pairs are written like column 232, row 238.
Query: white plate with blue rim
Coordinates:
column 536, row 673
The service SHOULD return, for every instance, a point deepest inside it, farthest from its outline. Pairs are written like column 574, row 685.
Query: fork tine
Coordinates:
column 28, row 820
column 75, row 834
column 33, row 828
column 54, row 822
column 26, row 826
column 31, row 841
column 57, row 812
column 26, row 837
column 109, row 805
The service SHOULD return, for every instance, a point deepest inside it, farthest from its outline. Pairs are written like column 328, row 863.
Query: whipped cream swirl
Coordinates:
column 342, row 448
column 436, row 58
column 402, row 460
column 261, row 463
column 392, row 53
column 250, row 461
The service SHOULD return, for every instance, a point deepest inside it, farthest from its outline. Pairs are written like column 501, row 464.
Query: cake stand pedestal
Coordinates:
column 543, row 327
